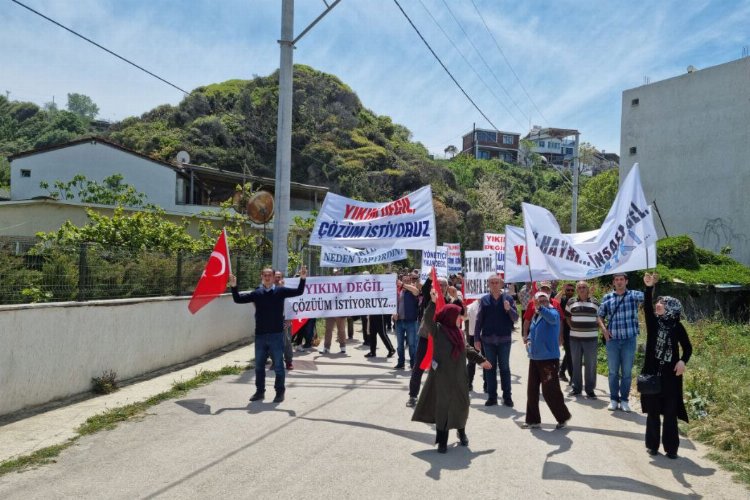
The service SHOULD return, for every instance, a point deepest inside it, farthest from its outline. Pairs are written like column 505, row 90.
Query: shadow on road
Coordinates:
column 563, row 472
column 681, row 467
column 457, row 458
column 199, row 407
column 421, row 437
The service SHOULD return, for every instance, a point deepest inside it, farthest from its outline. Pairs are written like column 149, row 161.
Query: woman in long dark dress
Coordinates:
column 664, row 334
column 444, row 400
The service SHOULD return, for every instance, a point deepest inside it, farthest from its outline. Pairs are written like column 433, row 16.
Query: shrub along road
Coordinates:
column 344, row 431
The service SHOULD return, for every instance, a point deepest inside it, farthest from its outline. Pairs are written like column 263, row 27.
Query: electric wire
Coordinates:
column 466, row 60
column 443, row 65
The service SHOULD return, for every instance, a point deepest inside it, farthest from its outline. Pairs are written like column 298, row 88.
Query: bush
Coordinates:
column 677, row 252
column 105, row 384
column 708, row 257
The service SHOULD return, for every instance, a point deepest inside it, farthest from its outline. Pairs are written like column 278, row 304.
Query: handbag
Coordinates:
column 649, row 385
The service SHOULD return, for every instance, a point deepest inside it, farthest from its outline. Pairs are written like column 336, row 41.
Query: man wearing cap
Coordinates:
column 546, row 287
column 620, row 308
column 493, row 333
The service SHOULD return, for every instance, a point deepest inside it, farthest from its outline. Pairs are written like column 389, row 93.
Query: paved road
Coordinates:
column 344, row 432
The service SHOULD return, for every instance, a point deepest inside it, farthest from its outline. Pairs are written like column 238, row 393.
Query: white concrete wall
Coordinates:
column 692, row 135
column 96, row 161
column 51, row 351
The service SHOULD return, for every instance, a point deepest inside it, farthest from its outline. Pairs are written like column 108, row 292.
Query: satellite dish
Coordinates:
column 183, row 157
column 260, row 207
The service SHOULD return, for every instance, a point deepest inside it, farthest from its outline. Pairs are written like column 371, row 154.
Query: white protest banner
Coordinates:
column 517, row 259
column 335, row 296
column 625, row 242
column 496, row 243
column 408, row 222
column 437, row 258
column 454, row 257
column 351, row 257
column 480, row 266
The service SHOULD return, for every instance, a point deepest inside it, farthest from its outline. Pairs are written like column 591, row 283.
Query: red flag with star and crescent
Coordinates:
column 214, row 279
column 439, row 305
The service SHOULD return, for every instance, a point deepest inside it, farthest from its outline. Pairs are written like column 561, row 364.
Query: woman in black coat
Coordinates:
column 444, row 400
column 665, row 335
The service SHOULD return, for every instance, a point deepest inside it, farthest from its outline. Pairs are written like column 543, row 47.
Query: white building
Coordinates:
column 691, row 137
column 558, row 146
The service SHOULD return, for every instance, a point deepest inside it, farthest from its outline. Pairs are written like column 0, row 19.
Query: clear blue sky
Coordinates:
column 573, row 57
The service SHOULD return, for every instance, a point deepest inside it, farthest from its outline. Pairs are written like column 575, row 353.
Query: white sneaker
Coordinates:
column 324, row 350
column 624, row 406
column 613, row 405
column 301, row 349
column 343, row 349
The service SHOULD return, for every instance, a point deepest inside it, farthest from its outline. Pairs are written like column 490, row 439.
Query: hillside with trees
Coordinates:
column 336, row 142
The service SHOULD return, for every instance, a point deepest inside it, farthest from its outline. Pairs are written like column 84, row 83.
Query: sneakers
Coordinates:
column 591, row 395
column 531, row 426
column 491, row 402
column 279, row 397
column 258, row 396
column 412, row 402
column 301, row 349
column 324, row 350
column 399, row 366
column 563, row 424
column 624, row 406
column 508, row 402
column 370, row 355
column 574, row 393
column 343, row 349
column 613, row 405
column 390, row 354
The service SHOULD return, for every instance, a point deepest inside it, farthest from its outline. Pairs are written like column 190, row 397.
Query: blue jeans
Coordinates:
column 406, row 331
column 499, row 356
column 620, row 357
column 269, row 344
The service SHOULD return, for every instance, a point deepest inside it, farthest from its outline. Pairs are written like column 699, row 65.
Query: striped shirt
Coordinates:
column 622, row 311
column 582, row 314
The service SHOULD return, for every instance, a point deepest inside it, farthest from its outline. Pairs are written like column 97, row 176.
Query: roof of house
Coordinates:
column 557, row 133
column 211, row 173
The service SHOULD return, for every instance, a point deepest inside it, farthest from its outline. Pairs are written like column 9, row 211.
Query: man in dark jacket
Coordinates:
column 493, row 333
column 269, row 327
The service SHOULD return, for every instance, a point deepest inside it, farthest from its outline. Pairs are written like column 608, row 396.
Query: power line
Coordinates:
column 101, row 47
column 508, row 63
column 485, row 61
column 468, row 63
column 443, row 65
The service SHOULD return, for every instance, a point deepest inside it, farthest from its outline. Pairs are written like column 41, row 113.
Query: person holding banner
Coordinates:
column 621, row 334
column 493, row 333
column 406, row 321
column 269, row 327
column 445, row 398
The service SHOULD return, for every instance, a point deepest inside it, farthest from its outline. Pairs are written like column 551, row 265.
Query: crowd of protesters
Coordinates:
column 465, row 333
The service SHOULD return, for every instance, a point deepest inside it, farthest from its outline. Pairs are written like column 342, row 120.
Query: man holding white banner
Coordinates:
column 625, row 242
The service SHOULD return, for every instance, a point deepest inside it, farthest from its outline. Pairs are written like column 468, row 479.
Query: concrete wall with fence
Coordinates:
column 52, row 351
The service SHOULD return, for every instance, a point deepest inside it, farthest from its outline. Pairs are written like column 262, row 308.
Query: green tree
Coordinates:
column 4, row 172
column 111, row 191
column 82, row 105
column 596, row 198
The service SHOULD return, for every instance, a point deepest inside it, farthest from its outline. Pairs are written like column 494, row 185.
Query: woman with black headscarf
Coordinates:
column 664, row 334
column 444, row 400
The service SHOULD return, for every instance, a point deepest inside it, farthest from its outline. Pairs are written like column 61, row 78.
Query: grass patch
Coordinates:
column 40, row 457
column 109, row 419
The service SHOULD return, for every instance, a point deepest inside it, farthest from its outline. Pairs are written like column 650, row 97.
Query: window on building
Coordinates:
column 635, row 102
column 483, row 155
column 486, row 136
column 568, row 151
column 507, row 139
column 633, row 150
column 25, row 173
column 541, row 144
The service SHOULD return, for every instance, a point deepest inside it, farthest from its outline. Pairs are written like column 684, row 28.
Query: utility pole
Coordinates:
column 574, row 211
column 280, row 258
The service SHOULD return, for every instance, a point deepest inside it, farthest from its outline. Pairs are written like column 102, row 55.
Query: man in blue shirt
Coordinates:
column 493, row 333
column 621, row 334
column 269, row 327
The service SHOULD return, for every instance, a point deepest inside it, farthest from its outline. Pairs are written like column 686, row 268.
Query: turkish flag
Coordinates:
column 439, row 305
column 297, row 325
column 213, row 281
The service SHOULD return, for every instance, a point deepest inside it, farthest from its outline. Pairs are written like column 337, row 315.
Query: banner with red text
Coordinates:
column 408, row 222
column 337, row 296
column 496, row 243
column 454, row 257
